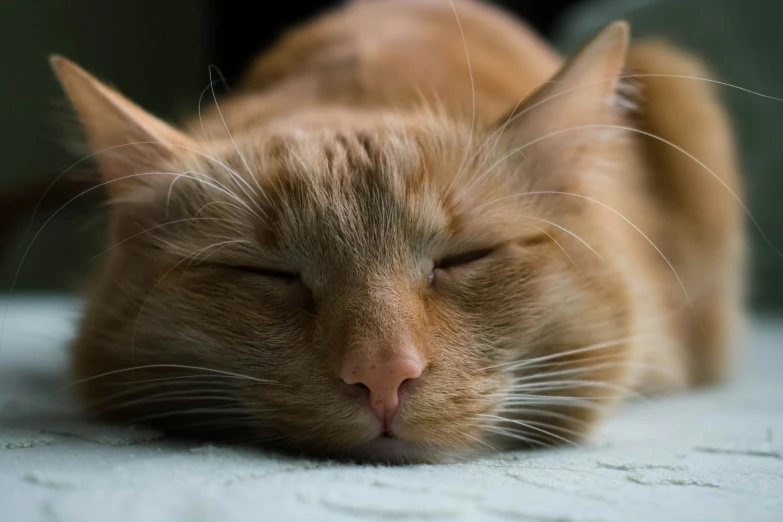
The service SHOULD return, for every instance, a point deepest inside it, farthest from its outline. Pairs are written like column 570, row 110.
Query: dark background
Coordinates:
column 157, row 53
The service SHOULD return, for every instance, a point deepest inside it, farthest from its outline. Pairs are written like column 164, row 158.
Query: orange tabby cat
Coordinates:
column 414, row 232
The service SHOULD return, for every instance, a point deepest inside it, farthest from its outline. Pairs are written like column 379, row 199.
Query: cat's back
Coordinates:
column 378, row 53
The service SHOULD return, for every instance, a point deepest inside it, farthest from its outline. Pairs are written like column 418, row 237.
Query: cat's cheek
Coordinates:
column 273, row 303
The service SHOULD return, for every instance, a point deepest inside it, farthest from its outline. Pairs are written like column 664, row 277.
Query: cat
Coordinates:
column 413, row 233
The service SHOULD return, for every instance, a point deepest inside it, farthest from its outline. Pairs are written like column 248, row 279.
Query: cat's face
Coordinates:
column 352, row 242
column 260, row 264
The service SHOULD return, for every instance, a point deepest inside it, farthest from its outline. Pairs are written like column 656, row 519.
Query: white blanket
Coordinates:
column 712, row 456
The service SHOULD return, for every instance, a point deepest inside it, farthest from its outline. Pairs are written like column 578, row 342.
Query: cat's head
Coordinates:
column 394, row 286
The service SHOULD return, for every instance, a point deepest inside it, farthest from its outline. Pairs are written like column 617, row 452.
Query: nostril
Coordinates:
column 359, row 390
column 404, row 385
column 362, row 388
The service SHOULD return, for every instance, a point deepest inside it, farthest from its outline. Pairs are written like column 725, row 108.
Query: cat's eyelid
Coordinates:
column 267, row 272
column 464, row 258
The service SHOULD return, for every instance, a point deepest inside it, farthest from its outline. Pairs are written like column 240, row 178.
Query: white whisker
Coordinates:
column 559, row 246
column 233, row 174
column 173, row 366
column 535, row 412
column 231, row 137
column 529, row 426
column 148, row 230
column 472, row 92
column 592, row 347
column 569, row 232
column 516, row 434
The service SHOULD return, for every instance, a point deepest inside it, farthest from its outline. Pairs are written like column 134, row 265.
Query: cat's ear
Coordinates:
column 561, row 127
column 128, row 143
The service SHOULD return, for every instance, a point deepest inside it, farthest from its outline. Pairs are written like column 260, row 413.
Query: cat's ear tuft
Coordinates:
column 127, row 141
column 563, row 125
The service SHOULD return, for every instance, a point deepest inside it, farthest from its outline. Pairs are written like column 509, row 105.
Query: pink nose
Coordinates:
column 384, row 378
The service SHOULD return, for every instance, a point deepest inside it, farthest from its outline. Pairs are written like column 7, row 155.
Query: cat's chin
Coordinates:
column 394, row 450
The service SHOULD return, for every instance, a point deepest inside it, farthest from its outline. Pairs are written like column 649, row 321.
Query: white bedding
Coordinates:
column 713, row 456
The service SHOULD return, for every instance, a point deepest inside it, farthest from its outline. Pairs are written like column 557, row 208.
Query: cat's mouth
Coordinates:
column 388, row 447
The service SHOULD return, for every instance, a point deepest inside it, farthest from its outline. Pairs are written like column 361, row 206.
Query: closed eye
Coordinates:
column 463, row 259
column 268, row 272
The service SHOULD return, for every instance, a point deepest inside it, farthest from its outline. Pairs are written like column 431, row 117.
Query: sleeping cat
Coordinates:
column 413, row 233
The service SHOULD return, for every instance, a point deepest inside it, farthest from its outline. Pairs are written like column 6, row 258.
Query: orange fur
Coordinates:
column 361, row 152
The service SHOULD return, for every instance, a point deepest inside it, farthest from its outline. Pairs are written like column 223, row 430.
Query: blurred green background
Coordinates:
column 158, row 52
column 155, row 52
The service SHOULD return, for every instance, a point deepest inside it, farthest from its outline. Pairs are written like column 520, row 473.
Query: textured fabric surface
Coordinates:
column 714, row 455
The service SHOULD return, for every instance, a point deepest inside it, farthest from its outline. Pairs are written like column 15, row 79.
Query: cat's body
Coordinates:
column 494, row 277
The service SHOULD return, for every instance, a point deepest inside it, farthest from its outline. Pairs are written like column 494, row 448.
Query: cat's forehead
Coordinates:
column 372, row 190
column 380, row 191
